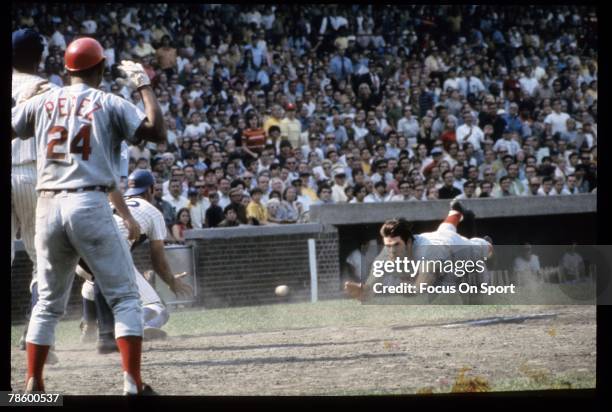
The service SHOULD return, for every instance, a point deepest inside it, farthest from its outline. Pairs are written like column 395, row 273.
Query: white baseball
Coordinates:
column 282, row 290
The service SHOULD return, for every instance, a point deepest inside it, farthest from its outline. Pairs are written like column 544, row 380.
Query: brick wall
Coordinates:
column 234, row 267
column 21, row 272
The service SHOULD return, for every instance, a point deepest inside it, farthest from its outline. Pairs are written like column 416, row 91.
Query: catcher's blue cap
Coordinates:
column 138, row 182
column 27, row 41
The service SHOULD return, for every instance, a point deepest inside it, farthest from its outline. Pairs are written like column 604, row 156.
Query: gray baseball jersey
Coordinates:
column 78, row 132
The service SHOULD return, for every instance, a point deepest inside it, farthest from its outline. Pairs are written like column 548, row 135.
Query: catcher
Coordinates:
column 152, row 225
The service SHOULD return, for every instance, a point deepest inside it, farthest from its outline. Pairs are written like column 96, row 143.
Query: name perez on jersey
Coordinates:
column 67, row 107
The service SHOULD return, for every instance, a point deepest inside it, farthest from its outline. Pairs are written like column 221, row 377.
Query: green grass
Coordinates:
column 560, row 382
column 199, row 321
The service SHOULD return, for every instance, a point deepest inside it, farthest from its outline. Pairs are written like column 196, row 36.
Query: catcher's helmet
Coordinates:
column 138, row 182
column 83, row 54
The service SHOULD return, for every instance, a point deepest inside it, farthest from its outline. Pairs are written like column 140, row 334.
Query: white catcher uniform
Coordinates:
column 152, row 224
column 23, row 173
column 78, row 131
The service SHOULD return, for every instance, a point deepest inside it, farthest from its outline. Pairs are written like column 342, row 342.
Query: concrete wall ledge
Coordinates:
column 350, row 214
column 256, row 231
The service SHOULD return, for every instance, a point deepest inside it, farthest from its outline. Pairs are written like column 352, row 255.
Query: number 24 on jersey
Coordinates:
column 79, row 144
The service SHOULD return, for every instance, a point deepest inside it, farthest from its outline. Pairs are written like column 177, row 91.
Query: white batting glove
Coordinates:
column 136, row 75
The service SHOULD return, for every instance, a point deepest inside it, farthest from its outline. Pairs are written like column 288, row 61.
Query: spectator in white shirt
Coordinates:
column 508, row 142
column 452, row 81
column 559, row 187
column 469, row 190
column 381, row 168
column 527, row 264
column 338, row 194
column 405, row 194
column 199, row 204
column 224, row 188
column 197, row 128
column 175, row 197
column 458, row 181
column 359, row 192
column 313, row 145
column 143, row 49
column 408, row 126
column 557, row 120
column 469, row 132
column 469, row 84
column 379, row 195
column 528, row 83
column 547, row 187
column 90, row 26
column 57, row 38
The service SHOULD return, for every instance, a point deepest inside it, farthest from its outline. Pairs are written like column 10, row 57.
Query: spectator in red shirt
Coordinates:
column 253, row 137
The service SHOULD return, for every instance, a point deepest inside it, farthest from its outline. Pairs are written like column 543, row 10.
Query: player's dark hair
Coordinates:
column 24, row 62
column 397, row 227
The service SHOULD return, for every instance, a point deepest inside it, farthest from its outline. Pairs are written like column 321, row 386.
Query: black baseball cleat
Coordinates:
column 456, row 205
column 106, row 344
column 131, row 389
column 147, row 390
column 467, row 227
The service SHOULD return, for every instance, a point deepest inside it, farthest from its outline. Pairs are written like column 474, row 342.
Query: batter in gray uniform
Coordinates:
column 78, row 131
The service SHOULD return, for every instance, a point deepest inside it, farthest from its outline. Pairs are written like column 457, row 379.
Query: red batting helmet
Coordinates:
column 82, row 54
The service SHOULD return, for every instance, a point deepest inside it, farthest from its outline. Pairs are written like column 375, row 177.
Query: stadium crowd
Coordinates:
column 272, row 109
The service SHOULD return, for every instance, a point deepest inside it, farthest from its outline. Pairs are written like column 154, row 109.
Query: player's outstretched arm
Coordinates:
column 153, row 128
column 131, row 224
column 161, row 267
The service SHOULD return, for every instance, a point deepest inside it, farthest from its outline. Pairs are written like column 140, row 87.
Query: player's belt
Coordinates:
column 46, row 192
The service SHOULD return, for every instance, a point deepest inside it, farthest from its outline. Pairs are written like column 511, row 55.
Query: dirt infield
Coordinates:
column 355, row 350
